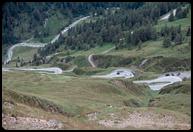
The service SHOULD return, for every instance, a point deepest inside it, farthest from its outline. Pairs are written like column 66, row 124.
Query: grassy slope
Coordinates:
column 185, row 22
column 175, row 102
column 176, row 97
column 23, row 110
column 83, row 95
column 159, row 59
column 155, row 48
column 96, row 50
column 79, row 96
column 85, row 54
column 74, row 94
column 149, row 49
column 24, row 52
column 55, row 20
column 82, row 56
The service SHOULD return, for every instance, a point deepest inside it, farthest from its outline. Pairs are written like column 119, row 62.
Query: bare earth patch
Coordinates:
column 29, row 123
column 92, row 116
column 147, row 120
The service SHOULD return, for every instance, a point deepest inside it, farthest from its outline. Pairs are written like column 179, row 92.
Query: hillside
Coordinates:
column 96, row 66
column 76, row 99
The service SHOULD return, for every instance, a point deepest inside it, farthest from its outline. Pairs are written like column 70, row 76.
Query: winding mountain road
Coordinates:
column 120, row 72
column 154, row 84
column 158, row 83
column 67, row 28
column 166, row 16
column 50, row 70
column 10, row 51
column 33, row 44
column 165, row 79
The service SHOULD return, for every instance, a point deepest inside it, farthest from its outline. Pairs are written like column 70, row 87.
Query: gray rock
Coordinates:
column 52, row 123
column 4, row 123
column 60, row 125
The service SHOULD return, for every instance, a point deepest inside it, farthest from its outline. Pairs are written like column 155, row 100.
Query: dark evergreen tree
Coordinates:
column 16, row 64
column 188, row 33
column 139, row 45
column 171, row 17
column 181, row 13
column 190, row 42
column 166, row 42
column 178, row 39
column 18, row 59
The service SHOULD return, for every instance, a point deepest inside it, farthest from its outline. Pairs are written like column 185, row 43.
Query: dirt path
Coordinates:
column 120, row 72
column 90, row 60
column 106, row 51
column 70, row 70
column 143, row 62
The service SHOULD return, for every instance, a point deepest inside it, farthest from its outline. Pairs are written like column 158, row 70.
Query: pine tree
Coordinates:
column 181, row 13
column 190, row 42
column 16, row 65
column 178, row 39
column 166, row 42
column 188, row 33
column 36, row 34
column 22, row 62
column 18, row 59
column 139, row 45
column 171, row 17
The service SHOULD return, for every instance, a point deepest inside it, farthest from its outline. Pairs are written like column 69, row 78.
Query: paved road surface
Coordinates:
column 32, row 44
column 166, row 79
column 120, row 72
column 166, row 16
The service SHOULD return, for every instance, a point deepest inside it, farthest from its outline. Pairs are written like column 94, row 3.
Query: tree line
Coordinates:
column 31, row 14
column 180, row 13
column 123, row 24
column 122, row 27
